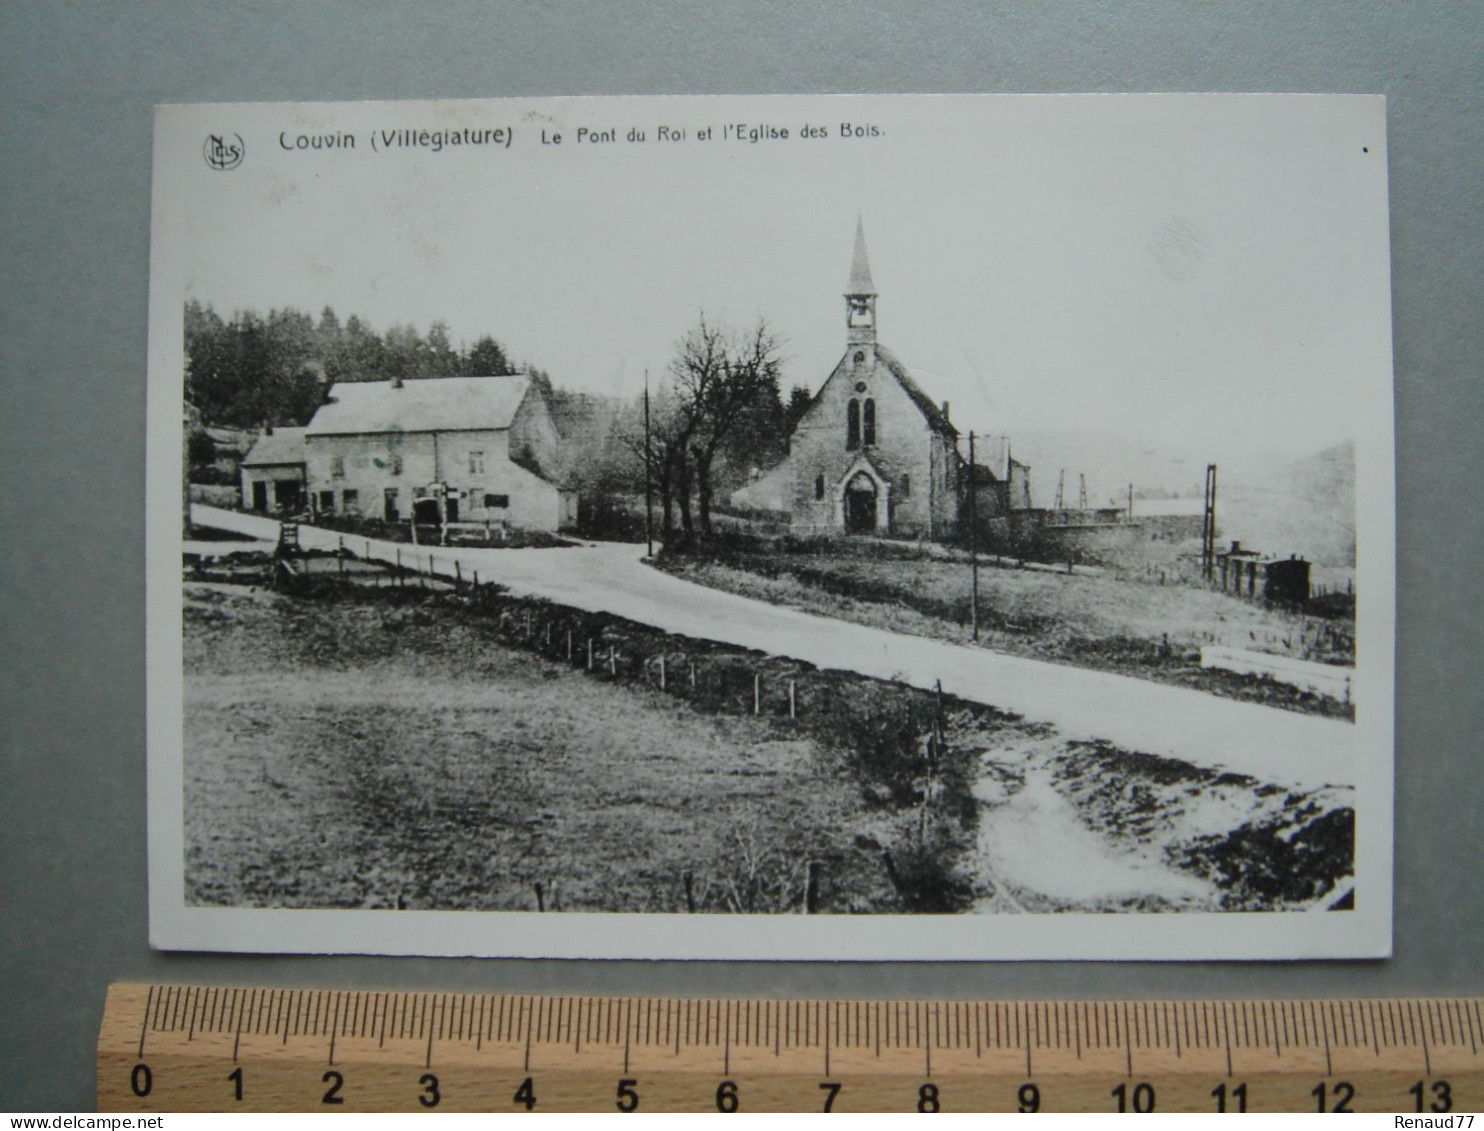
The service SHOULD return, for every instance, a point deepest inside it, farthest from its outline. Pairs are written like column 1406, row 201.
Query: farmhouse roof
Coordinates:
column 276, row 448
column 436, row 404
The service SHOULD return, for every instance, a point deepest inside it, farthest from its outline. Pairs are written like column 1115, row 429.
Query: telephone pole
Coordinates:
column 648, row 475
column 973, row 544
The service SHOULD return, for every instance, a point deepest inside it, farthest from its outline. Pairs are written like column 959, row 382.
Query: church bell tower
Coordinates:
column 860, row 295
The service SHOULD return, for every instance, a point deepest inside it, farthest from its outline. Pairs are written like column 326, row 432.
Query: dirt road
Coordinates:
column 1272, row 745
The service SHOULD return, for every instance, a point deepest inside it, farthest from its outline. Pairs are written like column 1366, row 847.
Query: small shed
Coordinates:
column 273, row 472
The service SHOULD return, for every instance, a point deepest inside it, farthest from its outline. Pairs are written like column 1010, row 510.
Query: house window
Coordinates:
column 327, row 501
column 819, row 486
column 476, row 463
column 497, row 502
column 853, row 425
column 906, row 486
column 869, row 427
column 337, row 466
column 350, row 500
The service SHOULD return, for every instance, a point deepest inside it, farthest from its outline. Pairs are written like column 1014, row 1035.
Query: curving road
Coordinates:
column 1267, row 743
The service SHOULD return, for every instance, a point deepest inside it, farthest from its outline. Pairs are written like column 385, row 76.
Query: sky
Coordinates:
column 1210, row 271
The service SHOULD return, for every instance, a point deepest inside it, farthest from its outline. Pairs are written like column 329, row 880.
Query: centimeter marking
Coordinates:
column 185, row 1048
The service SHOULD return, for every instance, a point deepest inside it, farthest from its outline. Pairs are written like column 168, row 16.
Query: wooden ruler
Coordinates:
column 197, row 1048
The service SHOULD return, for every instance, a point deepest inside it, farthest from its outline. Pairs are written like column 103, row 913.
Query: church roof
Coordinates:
column 436, row 404
column 860, row 268
column 925, row 404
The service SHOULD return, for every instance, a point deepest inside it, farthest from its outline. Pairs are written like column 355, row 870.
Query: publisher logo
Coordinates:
column 223, row 151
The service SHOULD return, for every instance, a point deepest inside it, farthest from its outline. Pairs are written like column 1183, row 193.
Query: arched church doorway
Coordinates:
column 860, row 504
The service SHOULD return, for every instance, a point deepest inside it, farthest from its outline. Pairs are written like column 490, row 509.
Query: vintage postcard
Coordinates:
column 908, row 527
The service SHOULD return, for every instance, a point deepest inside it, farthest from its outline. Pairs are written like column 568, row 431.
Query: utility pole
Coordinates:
column 1081, row 491
column 1061, row 483
column 973, row 544
column 648, row 475
column 1208, row 526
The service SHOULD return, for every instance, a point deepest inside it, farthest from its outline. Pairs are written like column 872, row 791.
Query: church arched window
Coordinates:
column 869, row 425
column 853, row 424
column 860, row 357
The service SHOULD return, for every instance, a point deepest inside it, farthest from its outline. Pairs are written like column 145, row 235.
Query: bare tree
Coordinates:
column 719, row 378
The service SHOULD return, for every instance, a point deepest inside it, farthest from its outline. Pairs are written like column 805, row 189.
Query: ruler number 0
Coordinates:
column 141, row 1080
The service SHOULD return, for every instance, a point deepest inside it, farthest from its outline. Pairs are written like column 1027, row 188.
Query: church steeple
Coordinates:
column 860, row 295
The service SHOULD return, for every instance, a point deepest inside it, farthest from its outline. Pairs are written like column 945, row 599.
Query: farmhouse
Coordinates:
column 449, row 449
column 874, row 453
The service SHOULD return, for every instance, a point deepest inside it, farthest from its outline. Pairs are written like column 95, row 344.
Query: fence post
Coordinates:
column 540, row 897
column 662, row 671
column 690, row 895
column 692, row 675
column 528, row 624
column 589, row 653
column 811, row 889
column 340, row 555
column 401, row 582
column 793, row 706
column 612, row 660
column 458, row 576
column 569, row 645
column 757, row 693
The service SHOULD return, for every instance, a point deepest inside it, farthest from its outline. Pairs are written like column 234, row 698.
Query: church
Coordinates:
column 874, row 453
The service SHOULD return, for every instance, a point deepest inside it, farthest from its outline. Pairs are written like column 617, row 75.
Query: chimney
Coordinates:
column 397, row 381
column 945, row 410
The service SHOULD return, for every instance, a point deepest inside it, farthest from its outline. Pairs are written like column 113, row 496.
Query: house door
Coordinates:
column 389, row 504
column 287, row 495
column 260, row 496
column 860, row 505
column 451, row 508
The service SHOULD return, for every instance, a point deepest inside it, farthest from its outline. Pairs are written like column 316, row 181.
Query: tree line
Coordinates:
column 253, row 369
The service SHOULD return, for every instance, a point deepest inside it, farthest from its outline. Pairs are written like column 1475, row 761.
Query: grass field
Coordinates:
column 375, row 755
column 364, row 747
column 1134, row 627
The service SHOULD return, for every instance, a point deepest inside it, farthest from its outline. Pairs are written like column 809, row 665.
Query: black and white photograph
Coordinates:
column 828, row 527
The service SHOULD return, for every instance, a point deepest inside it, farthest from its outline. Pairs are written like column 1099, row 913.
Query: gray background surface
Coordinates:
column 77, row 83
